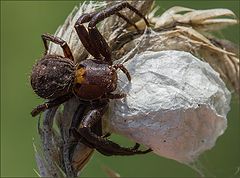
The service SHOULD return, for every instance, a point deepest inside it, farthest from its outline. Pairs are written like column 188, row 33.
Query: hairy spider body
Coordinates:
column 59, row 78
column 55, row 76
column 52, row 76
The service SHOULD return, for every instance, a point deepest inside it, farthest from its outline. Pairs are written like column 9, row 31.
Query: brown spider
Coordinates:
column 59, row 78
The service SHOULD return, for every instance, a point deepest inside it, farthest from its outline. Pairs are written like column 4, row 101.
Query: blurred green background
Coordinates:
column 22, row 23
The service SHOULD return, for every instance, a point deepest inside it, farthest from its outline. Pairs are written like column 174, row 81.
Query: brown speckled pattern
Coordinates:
column 52, row 76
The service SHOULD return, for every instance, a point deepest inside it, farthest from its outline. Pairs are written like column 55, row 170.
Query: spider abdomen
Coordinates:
column 52, row 76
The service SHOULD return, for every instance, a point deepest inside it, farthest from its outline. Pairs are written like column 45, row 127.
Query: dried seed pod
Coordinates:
column 125, row 44
column 185, row 39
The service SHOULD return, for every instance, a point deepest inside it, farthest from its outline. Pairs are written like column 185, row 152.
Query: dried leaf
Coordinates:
column 169, row 16
column 199, row 16
column 204, row 20
column 215, row 24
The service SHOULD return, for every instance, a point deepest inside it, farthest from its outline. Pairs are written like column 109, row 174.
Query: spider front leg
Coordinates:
column 123, row 69
column 96, row 37
column 52, row 103
column 92, row 39
column 114, row 10
column 66, row 50
column 84, row 36
column 103, row 145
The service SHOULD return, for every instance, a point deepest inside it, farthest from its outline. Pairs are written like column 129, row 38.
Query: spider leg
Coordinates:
column 103, row 145
column 122, row 68
column 66, row 50
column 114, row 96
column 92, row 39
column 107, row 135
column 71, row 141
column 96, row 37
column 111, row 153
column 93, row 47
column 127, row 20
column 77, row 117
column 100, row 43
column 84, row 36
column 52, row 103
column 113, row 10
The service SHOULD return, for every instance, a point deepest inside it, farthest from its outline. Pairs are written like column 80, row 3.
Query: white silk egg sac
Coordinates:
column 176, row 104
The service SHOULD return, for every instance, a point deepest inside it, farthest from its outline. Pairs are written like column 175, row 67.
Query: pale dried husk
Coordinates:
column 187, row 32
column 182, row 38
